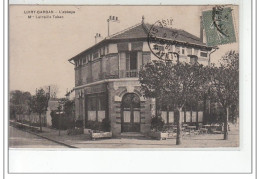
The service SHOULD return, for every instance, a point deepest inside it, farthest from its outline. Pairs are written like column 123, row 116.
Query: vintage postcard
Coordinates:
column 89, row 76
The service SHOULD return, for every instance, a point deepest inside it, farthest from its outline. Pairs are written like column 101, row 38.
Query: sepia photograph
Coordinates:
column 124, row 76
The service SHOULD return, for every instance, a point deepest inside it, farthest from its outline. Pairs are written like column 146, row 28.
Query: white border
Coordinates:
column 149, row 161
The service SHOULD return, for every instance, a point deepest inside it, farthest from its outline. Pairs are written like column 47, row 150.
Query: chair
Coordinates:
column 203, row 130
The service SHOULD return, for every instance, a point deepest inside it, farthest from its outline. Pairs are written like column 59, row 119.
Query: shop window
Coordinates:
column 92, row 106
column 102, row 102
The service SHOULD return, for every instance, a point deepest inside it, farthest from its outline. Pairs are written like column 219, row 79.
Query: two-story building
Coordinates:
column 107, row 83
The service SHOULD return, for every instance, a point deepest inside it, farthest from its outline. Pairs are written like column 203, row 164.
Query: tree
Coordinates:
column 39, row 104
column 225, row 85
column 173, row 84
column 19, row 102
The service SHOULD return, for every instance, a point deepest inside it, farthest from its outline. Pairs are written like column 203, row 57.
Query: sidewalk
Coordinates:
column 63, row 138
column 194, row 141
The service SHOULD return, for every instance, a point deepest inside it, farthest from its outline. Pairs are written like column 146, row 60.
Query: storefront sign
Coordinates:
column 95, row 89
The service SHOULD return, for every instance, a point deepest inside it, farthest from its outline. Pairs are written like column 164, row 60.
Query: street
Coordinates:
column 22, row 139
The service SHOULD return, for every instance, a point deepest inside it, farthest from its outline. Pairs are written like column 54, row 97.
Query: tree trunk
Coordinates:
column 226, row 125
column 40, row 119
column 178, row 137
column 197, row 116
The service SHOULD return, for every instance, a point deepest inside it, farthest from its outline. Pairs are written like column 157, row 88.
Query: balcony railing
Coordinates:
column 112, row 75
column 131, row 74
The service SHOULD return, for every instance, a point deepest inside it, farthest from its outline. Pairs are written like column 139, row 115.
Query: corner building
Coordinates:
column 107, row 83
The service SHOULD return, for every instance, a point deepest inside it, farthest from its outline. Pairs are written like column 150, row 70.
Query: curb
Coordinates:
column 58, row 142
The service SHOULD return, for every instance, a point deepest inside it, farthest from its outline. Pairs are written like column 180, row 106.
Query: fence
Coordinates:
column 32, row 118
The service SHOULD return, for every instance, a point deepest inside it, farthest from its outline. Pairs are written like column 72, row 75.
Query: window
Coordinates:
column 131, row 60
column 84, row 60
column 92, row 103
column 183, row 51
column 203, row 54
column 102, row 102
column 102, row 51
column 95, row 55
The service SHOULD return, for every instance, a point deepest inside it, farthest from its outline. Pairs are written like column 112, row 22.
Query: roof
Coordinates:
column 141, row 30
column 134, row 32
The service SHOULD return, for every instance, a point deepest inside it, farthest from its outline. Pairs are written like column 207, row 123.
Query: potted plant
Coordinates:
column 157, row 132
column 101, row 130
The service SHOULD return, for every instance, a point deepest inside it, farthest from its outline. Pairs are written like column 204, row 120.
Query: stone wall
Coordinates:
column 116, row 92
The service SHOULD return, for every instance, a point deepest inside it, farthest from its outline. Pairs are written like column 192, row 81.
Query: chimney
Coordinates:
column 202, row 31
column 112, row 25
column 98, row 38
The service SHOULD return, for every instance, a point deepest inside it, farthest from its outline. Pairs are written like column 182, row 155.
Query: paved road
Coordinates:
column 22, row 139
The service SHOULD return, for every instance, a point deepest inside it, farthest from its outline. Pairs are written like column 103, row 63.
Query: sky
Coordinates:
column 39, row 48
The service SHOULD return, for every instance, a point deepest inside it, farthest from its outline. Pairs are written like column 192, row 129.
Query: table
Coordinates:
column 191, row 128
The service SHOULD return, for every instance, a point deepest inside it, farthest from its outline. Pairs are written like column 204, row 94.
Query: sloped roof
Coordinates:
column 136, row 31
column 141, row 30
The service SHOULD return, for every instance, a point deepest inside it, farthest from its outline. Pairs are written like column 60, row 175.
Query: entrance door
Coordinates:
column 130, row 113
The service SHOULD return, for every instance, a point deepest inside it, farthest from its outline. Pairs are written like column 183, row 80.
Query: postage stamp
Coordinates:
column 219, row 27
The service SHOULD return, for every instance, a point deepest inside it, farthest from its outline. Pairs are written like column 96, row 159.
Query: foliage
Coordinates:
column 225, row 80
column 79, row 123
column 94, row 125
column 106, row 125
column 99, row 126
column 39, row 102
column 65, row 122
column 174, row 84
column 69, row 107
column 225, row 85
column 19, row 103
column 157, row 123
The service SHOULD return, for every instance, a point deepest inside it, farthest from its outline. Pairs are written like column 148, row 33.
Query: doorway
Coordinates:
column 130, row 113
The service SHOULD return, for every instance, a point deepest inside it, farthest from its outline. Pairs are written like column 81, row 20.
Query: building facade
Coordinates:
column 107, row 83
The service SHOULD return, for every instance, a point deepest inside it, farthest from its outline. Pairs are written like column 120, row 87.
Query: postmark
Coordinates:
column 160, row 40
column 218, row 25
